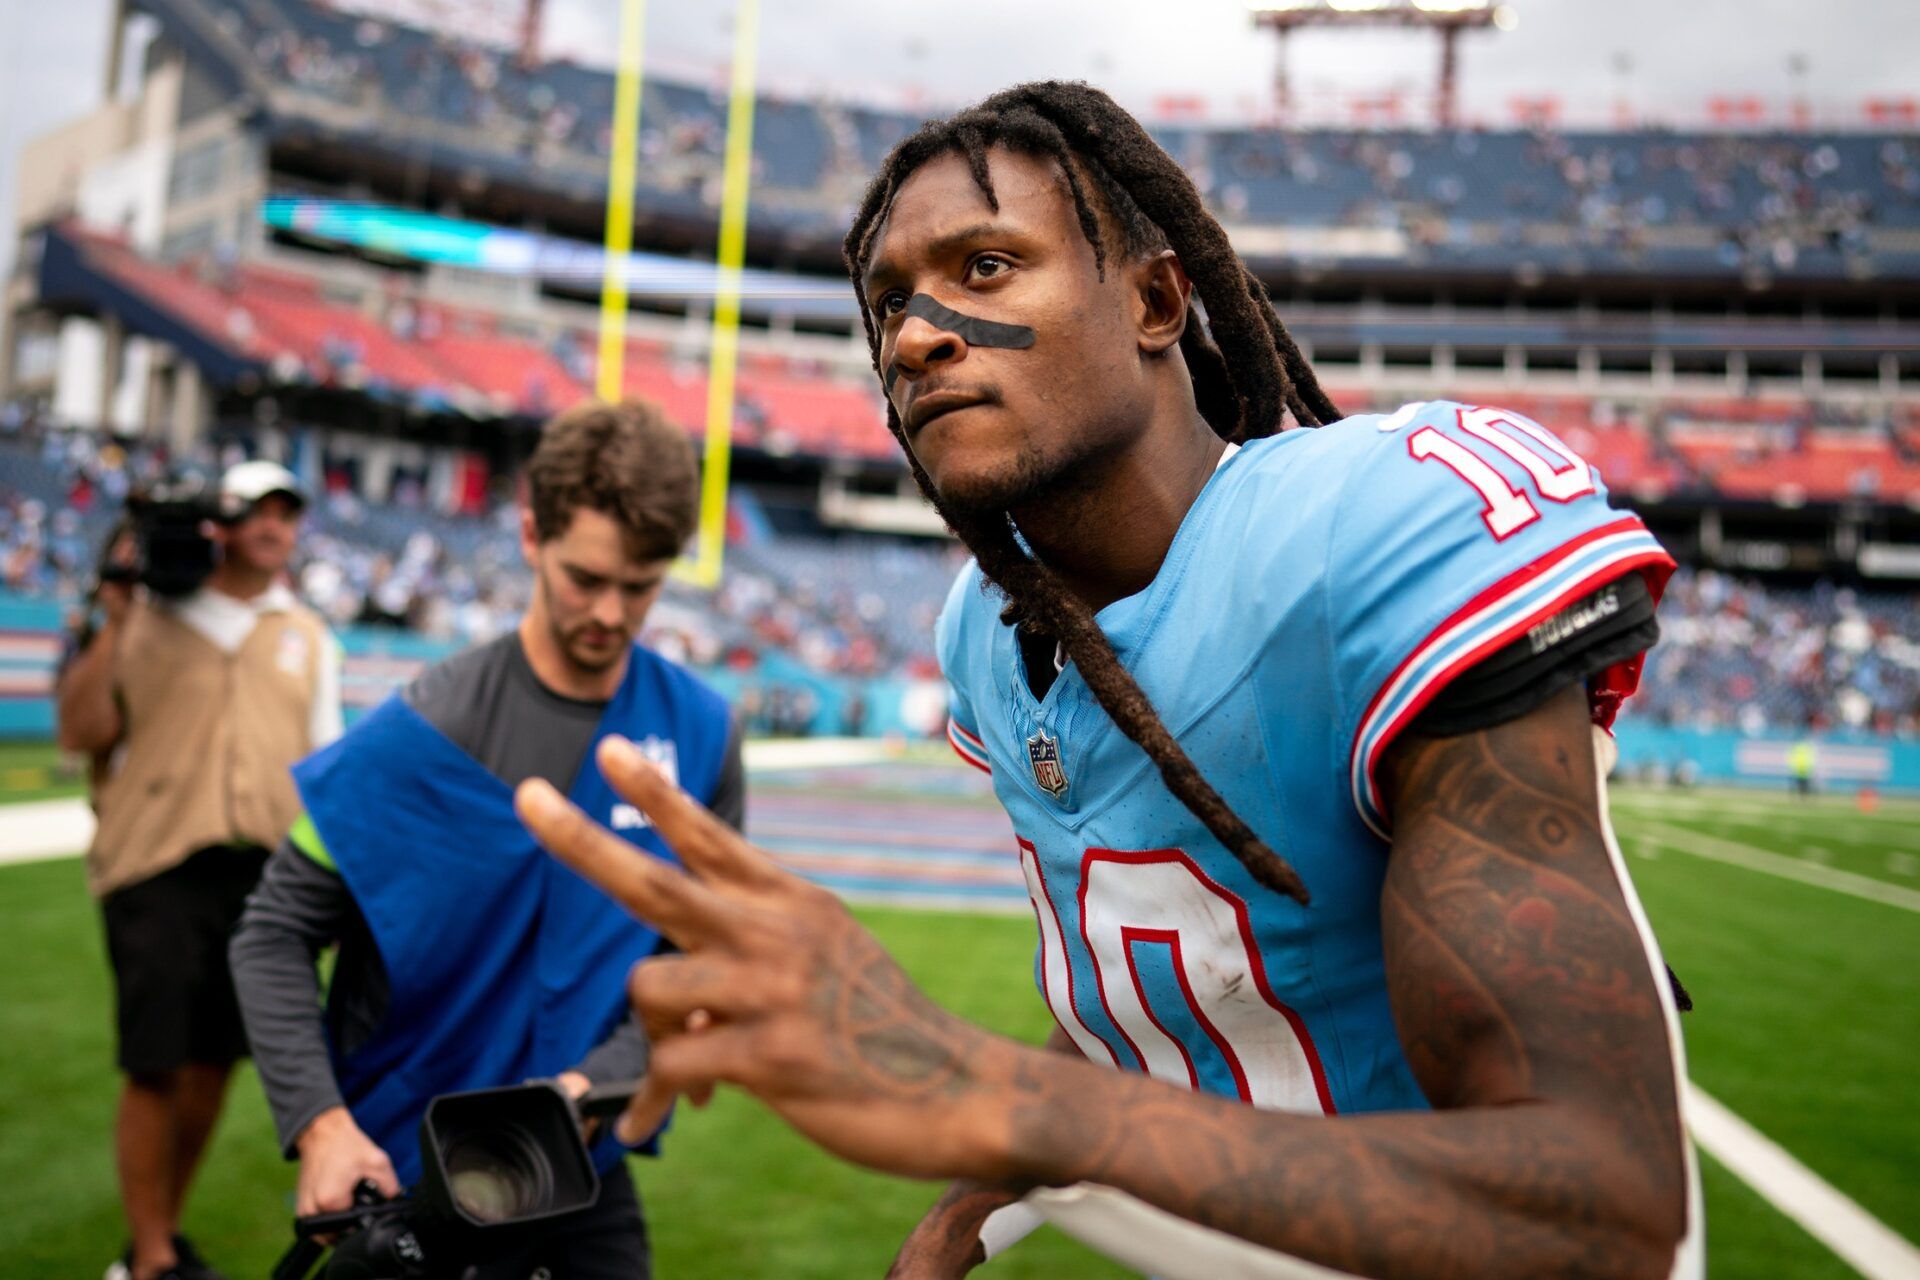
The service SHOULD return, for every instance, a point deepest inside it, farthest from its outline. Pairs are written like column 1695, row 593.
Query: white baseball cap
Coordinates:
column 246, row 483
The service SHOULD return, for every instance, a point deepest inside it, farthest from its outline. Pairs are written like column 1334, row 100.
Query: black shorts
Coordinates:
column 167, row 942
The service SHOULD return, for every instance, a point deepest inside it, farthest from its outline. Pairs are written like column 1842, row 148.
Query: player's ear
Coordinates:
column 1160, row 292
column 529, row 538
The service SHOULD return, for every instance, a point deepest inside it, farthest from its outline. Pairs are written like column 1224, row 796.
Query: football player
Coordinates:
column 1297, row 729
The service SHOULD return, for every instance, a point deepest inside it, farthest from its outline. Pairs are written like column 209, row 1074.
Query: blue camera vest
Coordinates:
column 503, row 965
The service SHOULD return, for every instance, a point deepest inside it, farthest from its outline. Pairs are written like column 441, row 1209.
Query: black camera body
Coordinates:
column 384, row 1243
column 496, row 1164
column 173, row 553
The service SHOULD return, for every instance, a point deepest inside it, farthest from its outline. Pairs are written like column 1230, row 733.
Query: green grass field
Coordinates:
column 1808, row 1017
column 37, row 771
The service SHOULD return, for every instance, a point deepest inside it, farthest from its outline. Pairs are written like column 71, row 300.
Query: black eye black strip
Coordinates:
column 973, row 331
column 976, row 332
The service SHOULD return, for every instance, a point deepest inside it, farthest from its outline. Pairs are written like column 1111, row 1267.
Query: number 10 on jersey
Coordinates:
column 1164, row 962
column 1558, row 473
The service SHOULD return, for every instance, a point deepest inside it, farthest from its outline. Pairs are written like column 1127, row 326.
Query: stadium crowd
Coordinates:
column 839, row 607
column 1742, row 655
column 1734, row 654
column 1746, row 199
column 1766, row 197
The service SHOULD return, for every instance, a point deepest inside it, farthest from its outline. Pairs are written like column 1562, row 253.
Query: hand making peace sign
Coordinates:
column 779, row 990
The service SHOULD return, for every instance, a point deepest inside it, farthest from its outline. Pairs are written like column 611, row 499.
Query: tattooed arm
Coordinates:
column 1522, row 994
column 1528, row 1010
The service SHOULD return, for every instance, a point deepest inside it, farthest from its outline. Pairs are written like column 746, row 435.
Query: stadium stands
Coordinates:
column 1779, row 450
column 1734, row 655
column 417, row 542
column 1739, row 655
column 291, row 328
column 853, row 606
column 1793, row 204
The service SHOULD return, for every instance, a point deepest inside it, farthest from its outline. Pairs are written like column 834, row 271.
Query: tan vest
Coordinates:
column 209, row 737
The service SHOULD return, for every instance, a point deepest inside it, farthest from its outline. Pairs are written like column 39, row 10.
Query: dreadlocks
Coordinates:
column 1247, row 375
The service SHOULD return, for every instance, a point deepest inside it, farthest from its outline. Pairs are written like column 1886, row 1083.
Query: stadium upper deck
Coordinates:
column 1727, row 324
column 343, row 92
column 271, row 326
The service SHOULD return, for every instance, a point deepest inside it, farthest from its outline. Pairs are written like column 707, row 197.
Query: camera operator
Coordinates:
column 192, row 707
column 467, row 958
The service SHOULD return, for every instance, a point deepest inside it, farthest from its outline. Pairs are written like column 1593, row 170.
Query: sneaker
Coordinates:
column 121, row 1270
column 190, row 1265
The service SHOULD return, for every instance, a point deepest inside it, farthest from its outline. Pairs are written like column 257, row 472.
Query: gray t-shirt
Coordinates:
column 489, row 703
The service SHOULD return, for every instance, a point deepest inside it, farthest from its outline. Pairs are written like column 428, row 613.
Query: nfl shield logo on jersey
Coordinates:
column 1044, row 750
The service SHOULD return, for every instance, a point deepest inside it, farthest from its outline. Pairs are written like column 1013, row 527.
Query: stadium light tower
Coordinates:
column 532, row 18
column 1448, row 18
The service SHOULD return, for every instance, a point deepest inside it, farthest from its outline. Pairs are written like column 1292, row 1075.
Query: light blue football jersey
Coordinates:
column 1325, row 585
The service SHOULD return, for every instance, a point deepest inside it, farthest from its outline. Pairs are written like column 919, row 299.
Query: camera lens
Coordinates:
column 498, row 1175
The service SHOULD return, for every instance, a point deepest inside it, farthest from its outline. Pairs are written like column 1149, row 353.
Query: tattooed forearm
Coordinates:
column 904, row 1043
column 1529, row 1014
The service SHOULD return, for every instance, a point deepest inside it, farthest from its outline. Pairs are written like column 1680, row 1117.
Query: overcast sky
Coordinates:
column 1678, row 52
column 1667, row 56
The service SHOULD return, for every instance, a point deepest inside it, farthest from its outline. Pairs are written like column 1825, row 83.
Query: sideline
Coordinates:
column 38, row 830
column 1861, row 1240
column 41, row 830
column 772, row 754
column 1715, row 849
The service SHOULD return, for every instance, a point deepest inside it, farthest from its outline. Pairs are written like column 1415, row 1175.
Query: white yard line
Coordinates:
column 1865, row 830
column 41, row 829
column 1861, row 1240
column 1904, row 815
column 1715, row 849
column 1832, row 797
column 815, row 753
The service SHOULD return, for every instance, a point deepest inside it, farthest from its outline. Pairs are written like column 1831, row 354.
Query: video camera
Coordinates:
column 495, row 1163
column 168, row 522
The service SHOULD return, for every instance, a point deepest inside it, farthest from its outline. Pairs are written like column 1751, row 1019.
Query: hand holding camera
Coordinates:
column 334, row 1157
column 497, row 1162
